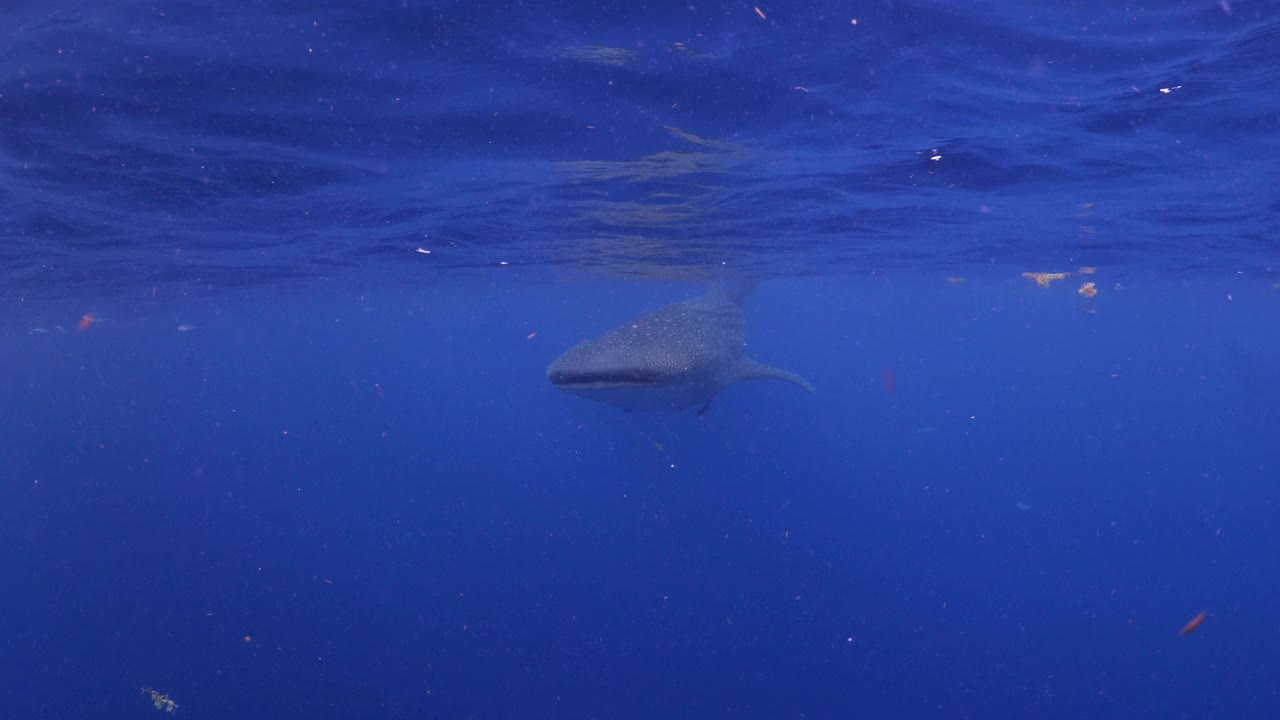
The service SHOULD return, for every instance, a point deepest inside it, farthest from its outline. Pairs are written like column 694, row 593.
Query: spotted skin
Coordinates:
column 675, row 358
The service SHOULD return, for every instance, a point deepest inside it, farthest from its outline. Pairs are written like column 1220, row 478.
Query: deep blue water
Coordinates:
column 280, row 282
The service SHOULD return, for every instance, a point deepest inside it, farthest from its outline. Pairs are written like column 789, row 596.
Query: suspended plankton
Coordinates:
column 161, row 701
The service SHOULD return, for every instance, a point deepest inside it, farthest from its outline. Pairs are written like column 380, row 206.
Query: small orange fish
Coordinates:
column 532, row 335
column 1194, row 623
column 85, row 322
column 378, row 388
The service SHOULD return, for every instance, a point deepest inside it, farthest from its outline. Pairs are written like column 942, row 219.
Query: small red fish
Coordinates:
column 85, row 322
column 1194, row 623
column 890, row 385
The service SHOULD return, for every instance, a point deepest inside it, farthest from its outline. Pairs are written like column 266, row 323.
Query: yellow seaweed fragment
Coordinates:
column 1088, row 290
column 1087, row 270
column 1043, row 279
column 161, row 701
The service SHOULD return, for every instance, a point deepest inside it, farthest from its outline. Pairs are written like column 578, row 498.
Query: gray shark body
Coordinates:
column 675, row 358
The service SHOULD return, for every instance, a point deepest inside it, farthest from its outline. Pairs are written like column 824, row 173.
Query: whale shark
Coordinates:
column 675, row 358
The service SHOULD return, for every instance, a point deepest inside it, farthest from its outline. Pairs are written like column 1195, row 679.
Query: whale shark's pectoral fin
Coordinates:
column 749, row 369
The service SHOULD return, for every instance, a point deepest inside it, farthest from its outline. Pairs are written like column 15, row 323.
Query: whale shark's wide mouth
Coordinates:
column 603, row 379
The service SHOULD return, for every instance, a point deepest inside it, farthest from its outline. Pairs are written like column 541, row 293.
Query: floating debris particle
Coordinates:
column 1022, row 506
column 599, row 54
column 1087, row 270
column 1088, row 290
column 955, row 280
column 689, row 52
column 1043, row 278
column 185, row 327
column 761, row 14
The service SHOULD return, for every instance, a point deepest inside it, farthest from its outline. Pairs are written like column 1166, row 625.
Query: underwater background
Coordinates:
column 281, row 282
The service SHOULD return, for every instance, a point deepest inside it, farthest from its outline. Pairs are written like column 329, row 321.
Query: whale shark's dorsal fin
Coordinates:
column 749, row 369
column 732, row 291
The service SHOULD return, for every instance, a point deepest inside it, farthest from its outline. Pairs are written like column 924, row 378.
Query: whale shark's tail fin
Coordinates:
column 749, row 369
column 732, row 291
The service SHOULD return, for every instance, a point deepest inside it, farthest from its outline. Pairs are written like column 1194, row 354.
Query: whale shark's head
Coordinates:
column 635, row 366
column 675, row 358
